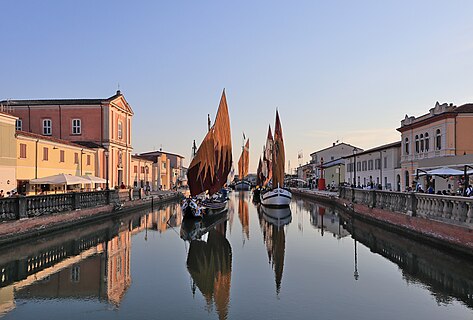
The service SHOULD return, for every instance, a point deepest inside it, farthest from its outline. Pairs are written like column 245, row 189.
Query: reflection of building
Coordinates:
column 210, row 266
column 326, row 219
column 90, row 265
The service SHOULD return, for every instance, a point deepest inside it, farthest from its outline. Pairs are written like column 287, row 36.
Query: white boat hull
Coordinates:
column 277, row 197
column 242, row 186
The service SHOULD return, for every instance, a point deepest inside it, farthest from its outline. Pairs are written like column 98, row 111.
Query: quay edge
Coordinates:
column 11, row 233
column 444, row 236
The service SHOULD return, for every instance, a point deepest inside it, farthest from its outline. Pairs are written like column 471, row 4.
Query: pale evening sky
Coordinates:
column 336, row 70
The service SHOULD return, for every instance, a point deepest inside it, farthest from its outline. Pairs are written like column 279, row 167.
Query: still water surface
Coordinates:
column 317, row 263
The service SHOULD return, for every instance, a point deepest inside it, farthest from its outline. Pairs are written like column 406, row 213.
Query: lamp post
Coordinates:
column 355, row 149
column 381, row 168
column 106, row 153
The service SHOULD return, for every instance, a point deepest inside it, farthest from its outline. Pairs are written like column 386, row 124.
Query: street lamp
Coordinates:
column 106, row 153
column 355, row 149
column 381, row 168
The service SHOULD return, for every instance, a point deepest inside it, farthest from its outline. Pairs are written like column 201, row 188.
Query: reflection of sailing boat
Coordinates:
column 243, row 214
column 275, row 239
column 210, row 266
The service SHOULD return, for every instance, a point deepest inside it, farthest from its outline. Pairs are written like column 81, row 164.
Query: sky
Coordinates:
column 336, row 70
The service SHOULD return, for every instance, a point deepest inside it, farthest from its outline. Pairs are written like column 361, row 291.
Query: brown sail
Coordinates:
column 259, row 173
column 278, row 155
column 244, row 161
column 268, row 158
column 211, row 165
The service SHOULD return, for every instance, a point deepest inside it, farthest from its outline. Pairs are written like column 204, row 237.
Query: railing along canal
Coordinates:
column 439, row 207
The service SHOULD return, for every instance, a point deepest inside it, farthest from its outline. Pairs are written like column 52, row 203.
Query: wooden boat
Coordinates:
column 277, row 195
column 209, row 169
column 259, row 182
column 243, row 164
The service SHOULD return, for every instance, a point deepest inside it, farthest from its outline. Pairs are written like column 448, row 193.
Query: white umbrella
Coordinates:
column 443, row 172
column 94, row 179
column 61, row 178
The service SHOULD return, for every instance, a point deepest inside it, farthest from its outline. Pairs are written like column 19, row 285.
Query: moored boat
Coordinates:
column 209, row 169
column 277, row 196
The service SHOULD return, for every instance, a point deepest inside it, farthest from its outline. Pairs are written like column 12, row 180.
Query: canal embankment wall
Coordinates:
column 49, row 222
column 435, row 228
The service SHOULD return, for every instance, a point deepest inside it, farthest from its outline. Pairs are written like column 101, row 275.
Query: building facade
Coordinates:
column 8, row 154
column 168, row 169
column 444, row 133
column 100, row 124
column 377, row 167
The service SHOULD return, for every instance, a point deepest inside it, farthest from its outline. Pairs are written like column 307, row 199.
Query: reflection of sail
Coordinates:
column 275, row 239
column 243, row 214
column 211, row 165
column 210, row 266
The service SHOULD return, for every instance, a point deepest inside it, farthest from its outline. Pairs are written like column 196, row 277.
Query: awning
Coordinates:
column 94, row 179
column 61, row 178
column 442, row 172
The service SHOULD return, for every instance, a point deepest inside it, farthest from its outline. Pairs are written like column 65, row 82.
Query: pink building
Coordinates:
column 101, row 124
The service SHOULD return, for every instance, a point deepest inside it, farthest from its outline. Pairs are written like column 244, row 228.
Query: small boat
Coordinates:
column 209, row 168
column 243, row 164
column 277, row 196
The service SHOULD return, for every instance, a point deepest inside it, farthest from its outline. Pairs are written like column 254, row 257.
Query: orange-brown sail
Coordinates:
column 212, row 163
column 278, row 155
column 259, row 173
column 267, row 169
column 244, row 161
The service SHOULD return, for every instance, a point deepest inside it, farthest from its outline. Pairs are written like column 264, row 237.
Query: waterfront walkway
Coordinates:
column 15, row 230
column 437, row 233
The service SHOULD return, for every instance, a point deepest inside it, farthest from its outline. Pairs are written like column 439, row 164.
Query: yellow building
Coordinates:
column 41, row 156
column 7, row 153
column 141, row 172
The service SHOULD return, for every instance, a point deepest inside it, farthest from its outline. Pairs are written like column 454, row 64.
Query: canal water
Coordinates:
column 312, row 263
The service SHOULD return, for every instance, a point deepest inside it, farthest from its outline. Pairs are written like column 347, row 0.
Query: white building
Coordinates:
column 335, row 152
column 376, row 166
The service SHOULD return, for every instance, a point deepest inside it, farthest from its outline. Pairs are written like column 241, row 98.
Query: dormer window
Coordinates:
column 47, row 127
column 19, row 124
column 76, row 126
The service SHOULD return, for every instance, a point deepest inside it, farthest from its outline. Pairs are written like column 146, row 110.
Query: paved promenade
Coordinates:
column 447, row 236
column 16, row 230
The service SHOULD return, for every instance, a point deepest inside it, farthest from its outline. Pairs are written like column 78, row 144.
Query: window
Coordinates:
column 47, row 127
column 45, row 154
column 385, row 162
column 61, row 155
column 438, row 140
column 370, row 164
column 164, row 165
column 120, row 130
column 377, row 164
column 331, row 158
column 88, row 159
column 75, row 274
column 76, row 158
column 135, row 169
column 421, row 143
column 76, row 126
column 406, row 146
column 22, row 151
column 358, row 166
column 142, row 169
column 427, row 144
column 19, row 124
column 417, row 144
column 365, row 166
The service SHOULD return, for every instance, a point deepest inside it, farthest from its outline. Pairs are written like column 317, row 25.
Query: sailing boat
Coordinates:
column 209, row 169
column 277, row 196
column 243, row 165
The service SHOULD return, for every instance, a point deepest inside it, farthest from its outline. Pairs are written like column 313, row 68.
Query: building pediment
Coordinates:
column 120, row 102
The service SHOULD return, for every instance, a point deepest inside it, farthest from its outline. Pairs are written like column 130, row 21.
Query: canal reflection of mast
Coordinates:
column 272, row 222
column 210, row 266
column 243, row 213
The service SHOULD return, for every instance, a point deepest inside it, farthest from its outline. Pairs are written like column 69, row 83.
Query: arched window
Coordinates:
column 406, row 146
column 417, row 144
column 421, row 143
column 438, row 140
column 427, row 142
column 407, row 179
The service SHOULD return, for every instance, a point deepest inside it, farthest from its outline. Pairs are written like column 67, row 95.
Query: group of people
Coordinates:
column 8, row 194
column 431, row 190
